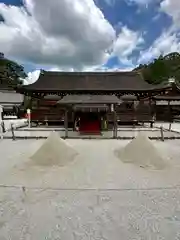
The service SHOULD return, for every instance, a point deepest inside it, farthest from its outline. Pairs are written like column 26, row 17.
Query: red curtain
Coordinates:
column 89, row 125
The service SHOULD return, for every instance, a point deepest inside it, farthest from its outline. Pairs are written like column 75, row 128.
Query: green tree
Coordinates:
column 161, row 69
column 11, row 73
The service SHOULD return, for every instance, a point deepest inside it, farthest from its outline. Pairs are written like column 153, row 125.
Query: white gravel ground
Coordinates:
column 174, row 126
column 95, row 197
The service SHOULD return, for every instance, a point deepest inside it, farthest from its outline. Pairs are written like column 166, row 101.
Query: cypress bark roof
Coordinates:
column 171, row 95
column 89, row 81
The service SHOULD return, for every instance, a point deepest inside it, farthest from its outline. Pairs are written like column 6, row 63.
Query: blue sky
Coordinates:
column 88, row 35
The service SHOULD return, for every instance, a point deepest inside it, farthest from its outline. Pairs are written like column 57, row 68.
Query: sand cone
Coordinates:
column 54, row 152
column 142, row 152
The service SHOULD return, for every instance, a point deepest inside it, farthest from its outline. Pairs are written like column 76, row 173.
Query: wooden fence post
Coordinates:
column 12, row 130
column 170, row 124
column 3, row 127
column 66, row 123
column 162, row 133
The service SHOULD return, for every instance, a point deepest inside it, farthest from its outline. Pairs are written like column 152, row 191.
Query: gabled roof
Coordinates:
column 89, row 81
column 10, row 97
column 172, row 94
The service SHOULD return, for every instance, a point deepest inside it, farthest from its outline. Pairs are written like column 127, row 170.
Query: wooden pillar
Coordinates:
column 115, row 123
column 73, row 118
column 169, row 111
column 66, row 123
column 151, row 112
column 134, row 116
column 170, row 117
column 150, row 104
column 155, row 109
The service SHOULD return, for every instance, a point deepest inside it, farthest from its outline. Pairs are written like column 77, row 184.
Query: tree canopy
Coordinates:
column 161, row 69
column 11, row 72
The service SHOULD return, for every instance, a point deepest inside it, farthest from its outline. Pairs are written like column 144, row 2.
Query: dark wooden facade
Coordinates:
column 56, row 96
column 167, row 106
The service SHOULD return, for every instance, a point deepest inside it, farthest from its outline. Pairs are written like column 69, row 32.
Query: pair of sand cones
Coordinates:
column 140, row 151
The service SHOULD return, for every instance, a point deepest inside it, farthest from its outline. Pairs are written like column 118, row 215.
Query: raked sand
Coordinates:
column 53, row 152
column 95, row 196
column 143, row 153
column 96, row 166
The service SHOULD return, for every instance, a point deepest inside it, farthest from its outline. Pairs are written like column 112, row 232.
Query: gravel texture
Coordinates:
column 96, row 196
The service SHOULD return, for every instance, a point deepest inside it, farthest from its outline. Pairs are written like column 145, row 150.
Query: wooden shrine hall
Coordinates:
column 94, row 101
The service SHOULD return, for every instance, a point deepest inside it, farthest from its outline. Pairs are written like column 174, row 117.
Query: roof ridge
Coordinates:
column 129, row 73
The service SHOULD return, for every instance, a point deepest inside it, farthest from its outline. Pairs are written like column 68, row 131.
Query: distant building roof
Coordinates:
column 171, row 95
column 168, row 98
column 10, row 98
column 89, row 81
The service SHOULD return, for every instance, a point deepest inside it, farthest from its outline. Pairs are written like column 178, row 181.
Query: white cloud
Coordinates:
column 64, row 33
column 69, row 35
column 32, row 77
column 156, row 17
column 168, row 42
column 172, row 8
column 57, row 69
column 127, row 41
column 114, row 69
